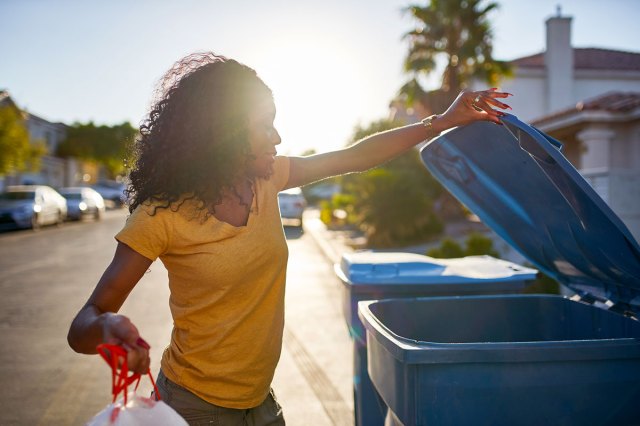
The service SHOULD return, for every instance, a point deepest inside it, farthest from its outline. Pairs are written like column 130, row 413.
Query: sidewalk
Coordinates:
column 314, row 378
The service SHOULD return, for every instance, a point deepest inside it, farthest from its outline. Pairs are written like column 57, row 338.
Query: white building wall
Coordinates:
column 51, row 134
column 624, row 200
column 590, row 86
column 529, row 88
column 625, row 152
column 528, row 98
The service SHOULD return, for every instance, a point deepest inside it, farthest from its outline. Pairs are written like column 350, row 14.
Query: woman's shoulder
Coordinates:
column 280, row 173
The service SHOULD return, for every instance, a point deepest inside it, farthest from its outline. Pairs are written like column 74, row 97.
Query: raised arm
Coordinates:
column 98, row 321
column 381, row 147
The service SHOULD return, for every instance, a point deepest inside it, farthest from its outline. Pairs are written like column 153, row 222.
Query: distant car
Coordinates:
column 292, row 204
column 83, row 202
column 323, row 191
column 111, row 191
column 31, row 206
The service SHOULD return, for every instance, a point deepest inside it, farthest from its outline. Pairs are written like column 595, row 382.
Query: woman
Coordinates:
column 203, row 198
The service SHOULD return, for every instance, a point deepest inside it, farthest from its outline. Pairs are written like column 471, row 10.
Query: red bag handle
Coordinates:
column 116, row 357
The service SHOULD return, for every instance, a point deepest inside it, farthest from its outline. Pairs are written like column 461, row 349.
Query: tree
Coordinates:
column 107, row 145
column 393, row 203
column 16, row 153
column 459, row 32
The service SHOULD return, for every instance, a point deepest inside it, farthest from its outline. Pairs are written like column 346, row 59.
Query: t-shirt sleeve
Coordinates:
column 280, row 172
column 146, row 233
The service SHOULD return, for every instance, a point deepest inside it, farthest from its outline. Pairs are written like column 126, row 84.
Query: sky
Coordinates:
column 332, row 64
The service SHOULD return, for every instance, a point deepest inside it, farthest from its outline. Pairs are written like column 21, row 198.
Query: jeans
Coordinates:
column 198, row 412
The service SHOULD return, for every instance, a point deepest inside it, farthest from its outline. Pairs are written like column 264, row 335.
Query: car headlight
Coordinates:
column 82, row 206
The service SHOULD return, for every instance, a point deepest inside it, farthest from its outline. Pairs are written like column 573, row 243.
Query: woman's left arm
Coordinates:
column 381, row 147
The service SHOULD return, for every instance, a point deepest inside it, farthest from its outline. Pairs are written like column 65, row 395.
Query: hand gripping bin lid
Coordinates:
column 525, row 359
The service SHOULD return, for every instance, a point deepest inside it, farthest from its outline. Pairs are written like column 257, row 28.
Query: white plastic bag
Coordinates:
column 138, row 411
column 131, row 409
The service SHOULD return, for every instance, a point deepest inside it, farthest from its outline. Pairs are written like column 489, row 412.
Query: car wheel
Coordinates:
column 59, row 219
column 35, row 224
column 97, row 215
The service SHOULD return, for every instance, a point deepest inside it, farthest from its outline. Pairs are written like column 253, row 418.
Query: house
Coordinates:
column 601, row 138
column 589, row 99
column 53, row 171
column 563, row 76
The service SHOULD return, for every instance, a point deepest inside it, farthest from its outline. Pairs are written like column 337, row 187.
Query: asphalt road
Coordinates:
column 46, row 276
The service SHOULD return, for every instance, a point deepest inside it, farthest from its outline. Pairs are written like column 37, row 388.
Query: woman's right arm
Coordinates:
column 98, row 321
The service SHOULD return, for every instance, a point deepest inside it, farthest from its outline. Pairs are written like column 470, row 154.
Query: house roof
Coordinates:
column 616, row 102
column 612, row 102
column 590, row 58
column 5, row 100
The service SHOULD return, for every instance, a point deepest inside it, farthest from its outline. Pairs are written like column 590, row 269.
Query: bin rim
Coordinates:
column 412, row 351
column 522, row 187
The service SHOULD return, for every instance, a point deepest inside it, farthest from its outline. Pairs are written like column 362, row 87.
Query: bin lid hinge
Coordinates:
column 622, row 309
column 588, row 298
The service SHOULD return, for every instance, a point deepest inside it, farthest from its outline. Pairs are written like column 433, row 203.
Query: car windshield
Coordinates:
column 110, row 184
column 72, row 195
column 18, row 195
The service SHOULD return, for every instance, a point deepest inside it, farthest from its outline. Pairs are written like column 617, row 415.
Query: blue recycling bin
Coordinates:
column 518, row 359
column 369, row 275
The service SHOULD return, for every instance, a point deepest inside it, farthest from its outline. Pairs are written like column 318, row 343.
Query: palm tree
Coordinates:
column 458, row 31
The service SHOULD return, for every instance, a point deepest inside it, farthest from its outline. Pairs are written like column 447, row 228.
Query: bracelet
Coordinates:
column 428, row 123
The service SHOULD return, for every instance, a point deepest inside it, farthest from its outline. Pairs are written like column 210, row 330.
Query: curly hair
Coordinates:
column 194, row 143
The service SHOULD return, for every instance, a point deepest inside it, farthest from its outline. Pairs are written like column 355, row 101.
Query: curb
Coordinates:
column 330, row 247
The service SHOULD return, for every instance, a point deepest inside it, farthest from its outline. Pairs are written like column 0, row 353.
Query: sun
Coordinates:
column 315, row 82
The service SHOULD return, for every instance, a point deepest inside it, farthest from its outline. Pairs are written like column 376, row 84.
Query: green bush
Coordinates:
column 326, row 212
column 478, row 244
column 448, row 249
column 392, row 209
column 394, row 203
column 475, row 245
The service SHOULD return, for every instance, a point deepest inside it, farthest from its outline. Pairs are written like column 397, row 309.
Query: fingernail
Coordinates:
column 140, row 342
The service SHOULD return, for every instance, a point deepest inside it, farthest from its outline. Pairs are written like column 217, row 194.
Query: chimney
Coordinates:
column 558, row 60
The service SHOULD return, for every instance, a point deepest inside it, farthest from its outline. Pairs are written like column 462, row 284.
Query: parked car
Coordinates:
column 31, row 206
column 111, row 191
column 292, row 204
column 83, row 202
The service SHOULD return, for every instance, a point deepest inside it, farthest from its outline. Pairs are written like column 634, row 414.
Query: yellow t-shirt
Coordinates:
column 227, row 293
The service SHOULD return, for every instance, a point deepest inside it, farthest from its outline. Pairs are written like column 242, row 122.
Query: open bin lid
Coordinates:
column 366, row 268
column 517, row 181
